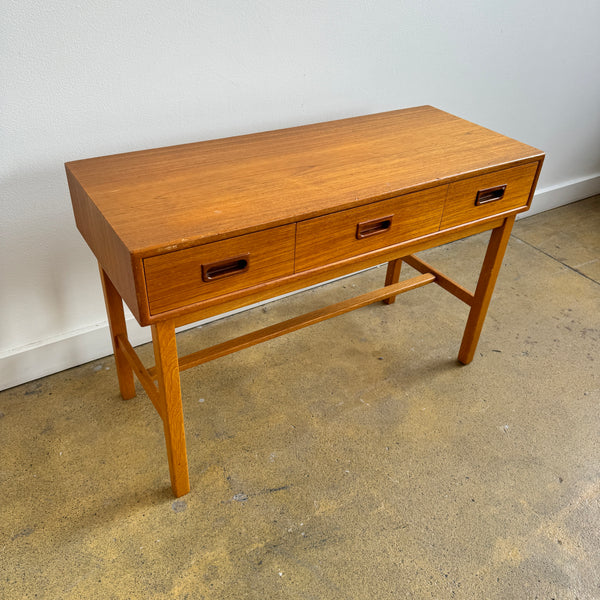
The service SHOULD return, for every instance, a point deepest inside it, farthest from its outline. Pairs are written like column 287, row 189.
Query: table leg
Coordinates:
column 169, row 390
column 116, row 322
column 392, row 276
column 485, row 288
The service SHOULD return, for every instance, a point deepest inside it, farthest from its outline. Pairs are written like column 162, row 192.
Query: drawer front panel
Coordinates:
column 184, row 277
column 357, row 231
column 486, row 195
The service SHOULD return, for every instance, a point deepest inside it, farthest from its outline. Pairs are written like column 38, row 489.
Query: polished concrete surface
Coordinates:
column 352, row 459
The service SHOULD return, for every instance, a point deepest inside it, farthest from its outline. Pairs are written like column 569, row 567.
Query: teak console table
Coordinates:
column 186, row 232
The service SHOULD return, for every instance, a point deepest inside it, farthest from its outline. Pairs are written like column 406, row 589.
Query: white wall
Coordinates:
column 103, row 76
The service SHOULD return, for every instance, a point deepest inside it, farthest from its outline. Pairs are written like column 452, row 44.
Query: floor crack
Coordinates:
column 556, row 259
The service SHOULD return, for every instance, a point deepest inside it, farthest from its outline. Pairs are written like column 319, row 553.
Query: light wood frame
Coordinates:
column 162, row 381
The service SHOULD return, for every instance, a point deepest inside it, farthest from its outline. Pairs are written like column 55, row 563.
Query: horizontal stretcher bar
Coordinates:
column 321, row 314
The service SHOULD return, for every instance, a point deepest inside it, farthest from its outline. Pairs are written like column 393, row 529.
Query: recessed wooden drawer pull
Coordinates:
column 225, row 268
column 369, row 228
column 490, row 195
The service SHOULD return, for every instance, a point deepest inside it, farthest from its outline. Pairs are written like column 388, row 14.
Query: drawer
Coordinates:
column 184, row 277
column 357, row 231
column 486, row 195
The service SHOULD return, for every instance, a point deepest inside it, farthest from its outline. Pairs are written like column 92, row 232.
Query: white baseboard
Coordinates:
column 33, row 361
column 78, row 347
column 564, row 193
column 57, row 354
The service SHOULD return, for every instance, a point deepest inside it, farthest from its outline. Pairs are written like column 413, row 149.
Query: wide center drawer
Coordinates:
column 184, row 277
column 483, row 196
column 357, row 231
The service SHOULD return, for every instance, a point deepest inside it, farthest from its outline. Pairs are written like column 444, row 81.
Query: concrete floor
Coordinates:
column 352, row 459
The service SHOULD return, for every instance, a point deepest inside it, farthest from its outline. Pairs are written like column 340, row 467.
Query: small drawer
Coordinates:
column 487, row 195
column 358, row 231
column 184, row 277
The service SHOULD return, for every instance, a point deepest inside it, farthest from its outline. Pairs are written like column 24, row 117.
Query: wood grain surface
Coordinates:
column 333, row 237
column 460, row 204
column 175, row 279
column 179, row 196
column 186, row 232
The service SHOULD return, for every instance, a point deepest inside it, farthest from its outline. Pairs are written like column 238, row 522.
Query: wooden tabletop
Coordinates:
column 179, row 196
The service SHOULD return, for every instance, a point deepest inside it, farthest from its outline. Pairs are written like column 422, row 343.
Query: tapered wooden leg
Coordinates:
column 485, row 288
column 116, row 322
column 169, row 390
column 392, row 276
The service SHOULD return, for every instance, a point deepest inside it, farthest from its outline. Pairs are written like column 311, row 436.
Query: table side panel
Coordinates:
column 106, row 246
